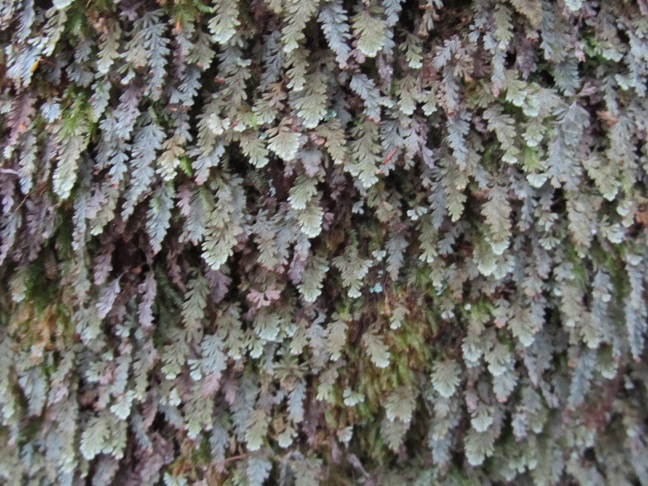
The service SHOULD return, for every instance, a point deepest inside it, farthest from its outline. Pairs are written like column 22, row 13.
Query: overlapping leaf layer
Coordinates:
column 323, row 242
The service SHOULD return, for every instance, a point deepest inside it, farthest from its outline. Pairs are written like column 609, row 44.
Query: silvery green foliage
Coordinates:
column 323, row 241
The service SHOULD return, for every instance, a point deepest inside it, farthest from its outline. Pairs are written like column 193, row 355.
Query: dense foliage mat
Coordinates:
column 323, row 241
